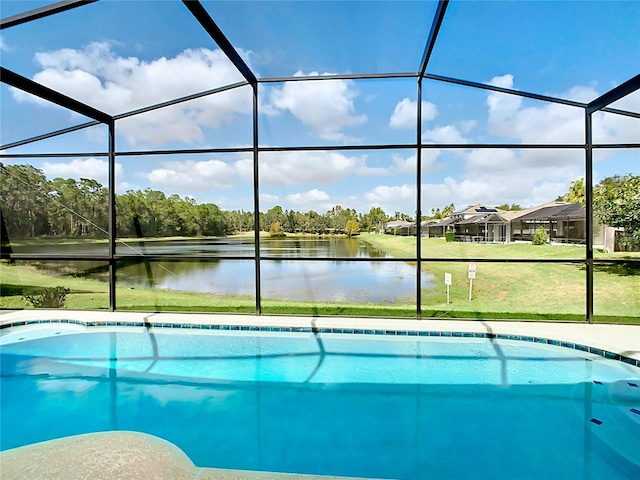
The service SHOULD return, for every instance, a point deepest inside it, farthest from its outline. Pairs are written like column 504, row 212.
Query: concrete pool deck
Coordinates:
column 132, row 455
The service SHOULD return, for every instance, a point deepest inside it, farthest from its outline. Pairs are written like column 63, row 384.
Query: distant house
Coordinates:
column 479, row 223
column 437, row 228
column 400, row 227
column 563, row 222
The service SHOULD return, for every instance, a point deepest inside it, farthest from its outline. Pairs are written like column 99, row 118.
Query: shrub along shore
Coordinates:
column 513, row 290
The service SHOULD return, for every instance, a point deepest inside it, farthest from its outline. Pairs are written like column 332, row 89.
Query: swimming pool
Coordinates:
column 369, row 405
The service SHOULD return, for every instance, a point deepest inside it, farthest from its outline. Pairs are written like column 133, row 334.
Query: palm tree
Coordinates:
column 576, row 193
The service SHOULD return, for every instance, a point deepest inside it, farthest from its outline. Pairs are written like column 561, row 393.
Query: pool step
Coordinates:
column 615, row 425
column 120, row 455
column 625, row 406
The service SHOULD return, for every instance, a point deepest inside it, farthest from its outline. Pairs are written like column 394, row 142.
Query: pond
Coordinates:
column 283, row 275
column 301, row 268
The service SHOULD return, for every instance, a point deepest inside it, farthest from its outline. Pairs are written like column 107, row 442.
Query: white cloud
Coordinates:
column 543, row 123
column 497, row 176
column 312, row 200
column 305, row 168
column 614, row 128
column 533, row 176
column 467, row 125
column 325, row 106
column 78, row 168
column 3, row 45
column 392, row 198
column 268, row 201
column 631, row 102
column 189, row 176
column 97, row 76
column 405, row 114
column 445, row 134
column 407, row 165
column 123, row 187
column 491, row 160
column 552, row 123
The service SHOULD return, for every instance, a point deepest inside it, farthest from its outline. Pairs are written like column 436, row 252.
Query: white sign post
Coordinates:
column 472, row 275
column 447, row 282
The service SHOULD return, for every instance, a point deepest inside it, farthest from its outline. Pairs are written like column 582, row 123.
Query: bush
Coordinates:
column 541, row 237
column 50, row 297
column 277, row 230
column 449, row 236
column 352, row 228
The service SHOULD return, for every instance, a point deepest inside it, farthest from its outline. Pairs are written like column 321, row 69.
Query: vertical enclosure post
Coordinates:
column 419, row 201
column 588, row 192
column 256, row 198
column 112, row 215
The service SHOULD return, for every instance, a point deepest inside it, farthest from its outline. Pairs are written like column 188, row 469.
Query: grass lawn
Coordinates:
column 533, row 290
column 87, row 293
column 515, row 290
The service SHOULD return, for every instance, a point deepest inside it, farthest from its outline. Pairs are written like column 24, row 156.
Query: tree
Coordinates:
column 437, row 214
column 316, row 223
column 276, row 230
column 576, row 193
column 238, row 221
column 273, row 215
column 506, row 206
column 374, row 220
column 448, row 210
column 352, row 228
column 23, row 200
column 616, row 202
column 211, row 221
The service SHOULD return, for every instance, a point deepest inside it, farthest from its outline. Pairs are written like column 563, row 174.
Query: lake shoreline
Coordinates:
column 501, row 289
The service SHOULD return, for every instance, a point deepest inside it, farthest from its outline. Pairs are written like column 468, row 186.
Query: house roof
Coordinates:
column 399, row 224
column 489, row 218
column 477, row 209
column 517, row 214
column 565, row 210
column 575, row 210
column 447, row 221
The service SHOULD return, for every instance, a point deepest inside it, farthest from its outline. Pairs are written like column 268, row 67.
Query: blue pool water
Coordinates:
column 352, row 405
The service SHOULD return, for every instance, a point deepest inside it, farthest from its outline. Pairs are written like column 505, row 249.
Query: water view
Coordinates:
column 316, row 269
column 283, row 275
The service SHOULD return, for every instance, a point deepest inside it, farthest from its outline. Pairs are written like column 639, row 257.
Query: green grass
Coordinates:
column 89, row 293
column 522, row 291
column 532, row 290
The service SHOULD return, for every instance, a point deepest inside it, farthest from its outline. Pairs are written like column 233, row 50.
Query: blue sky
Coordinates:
column 118, row 56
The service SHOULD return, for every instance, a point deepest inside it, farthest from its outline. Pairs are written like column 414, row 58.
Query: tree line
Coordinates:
column 33, row 206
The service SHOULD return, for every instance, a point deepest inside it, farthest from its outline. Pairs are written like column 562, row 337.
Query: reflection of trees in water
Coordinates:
column 352, row 247
column 376, row 252
column 94, row 269
column 135, row 270
column 313, row 246
column 282, row 272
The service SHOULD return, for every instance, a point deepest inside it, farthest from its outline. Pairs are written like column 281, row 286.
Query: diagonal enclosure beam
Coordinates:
column 433, row 34
column 34, row 88
column 179, row 100
column 509, row 91
column 42, row 12
column 614, row 95
column 27, row 141
column 198, row 11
